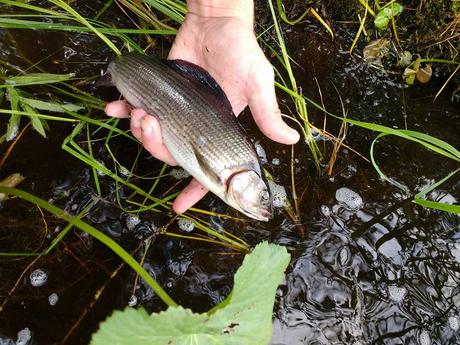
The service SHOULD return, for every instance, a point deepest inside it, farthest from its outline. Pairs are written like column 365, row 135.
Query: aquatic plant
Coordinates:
column 409, row 56
column 244, row 317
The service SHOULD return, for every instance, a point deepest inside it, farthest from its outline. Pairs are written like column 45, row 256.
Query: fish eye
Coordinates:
column 265, row 195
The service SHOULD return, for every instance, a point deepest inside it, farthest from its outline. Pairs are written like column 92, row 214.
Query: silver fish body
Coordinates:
column 198, row 127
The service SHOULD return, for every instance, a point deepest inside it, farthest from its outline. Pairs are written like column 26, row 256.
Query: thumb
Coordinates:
column 264, row 107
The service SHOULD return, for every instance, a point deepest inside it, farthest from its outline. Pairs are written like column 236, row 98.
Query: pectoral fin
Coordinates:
column 204, row 165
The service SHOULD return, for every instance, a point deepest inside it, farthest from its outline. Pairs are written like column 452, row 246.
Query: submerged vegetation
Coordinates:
column 382, row 36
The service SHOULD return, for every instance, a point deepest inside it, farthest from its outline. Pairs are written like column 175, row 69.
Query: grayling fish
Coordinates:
column 198, row 127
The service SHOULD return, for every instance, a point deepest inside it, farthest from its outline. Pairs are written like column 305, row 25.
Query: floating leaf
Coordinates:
column 409, row 76
column 11, row 181
column 405, row 58
column 375, row 50
column 243, row 318
column 382, row 18
column 423, row 75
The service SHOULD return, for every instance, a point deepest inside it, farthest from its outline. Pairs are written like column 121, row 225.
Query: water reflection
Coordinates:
column 373, row 276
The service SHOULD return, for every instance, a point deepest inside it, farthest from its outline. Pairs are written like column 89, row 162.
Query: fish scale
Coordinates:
column 197, row 122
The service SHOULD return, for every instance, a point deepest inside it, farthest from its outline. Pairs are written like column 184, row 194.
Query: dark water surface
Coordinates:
column 372, row 268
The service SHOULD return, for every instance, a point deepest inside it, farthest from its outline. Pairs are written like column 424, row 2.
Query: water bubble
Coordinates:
column 424, row 338
column 325, row 210
column 38, row 278
column 132, row 301
column 454, row 323
column 276, row 161
column 53, row 299
column 24, row 336
column 344, row 256
column 6, row 341
column 261, row 153
column 278, row 193
column 397, row 293
column 179, row 173
column 186, row 225
column 132, row 221
column 69, row 52
column 349, row 198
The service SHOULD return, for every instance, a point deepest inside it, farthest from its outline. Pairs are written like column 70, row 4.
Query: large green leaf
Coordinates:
column 244, row 318
column 384, row 16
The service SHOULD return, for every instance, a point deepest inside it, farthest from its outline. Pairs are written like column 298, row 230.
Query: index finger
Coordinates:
column 191, row 194
column 118, row 109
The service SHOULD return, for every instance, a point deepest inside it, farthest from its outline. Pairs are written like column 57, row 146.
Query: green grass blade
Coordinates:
column 435, row 204
column 37, row 123
column 85, row 22
column 36, row 79
column 50, row 106
column 435, row 141
column 171, row 9
column 30, row 7
column 11, row 23
column 15, row 119
column 34, row 114
column 283, row 16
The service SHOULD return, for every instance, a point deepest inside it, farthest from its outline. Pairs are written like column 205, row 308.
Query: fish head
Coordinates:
column 249, row 193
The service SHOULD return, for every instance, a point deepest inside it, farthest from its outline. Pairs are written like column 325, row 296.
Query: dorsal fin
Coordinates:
column 194, row 72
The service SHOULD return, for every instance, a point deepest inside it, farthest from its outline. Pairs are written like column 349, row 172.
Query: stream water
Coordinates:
column 372, row 267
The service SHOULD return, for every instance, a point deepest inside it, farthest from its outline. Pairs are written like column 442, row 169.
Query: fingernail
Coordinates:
column 148, row 129
column 294, row 135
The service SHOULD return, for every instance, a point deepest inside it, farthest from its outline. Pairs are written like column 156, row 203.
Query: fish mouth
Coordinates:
column 249, row 193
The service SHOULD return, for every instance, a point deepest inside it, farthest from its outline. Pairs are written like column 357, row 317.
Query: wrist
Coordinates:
column 242, row 9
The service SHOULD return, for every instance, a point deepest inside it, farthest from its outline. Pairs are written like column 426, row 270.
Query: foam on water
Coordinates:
column 6, row 341
column 24, row 336
column 349, row 198
column 325, row 210
column 186, row 225
column 278, row 193
column 38, row 278
column 261, row 153
column 132, row 301
column 179, row 173
column 424, row 338
column 53, row 299
column 132, row 221
column 454, row 323
column 397, row 293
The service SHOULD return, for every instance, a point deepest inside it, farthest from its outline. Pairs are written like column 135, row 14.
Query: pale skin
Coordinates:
column 218, row 36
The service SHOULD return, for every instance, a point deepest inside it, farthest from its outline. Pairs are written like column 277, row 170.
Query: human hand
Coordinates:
column 226, row 47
